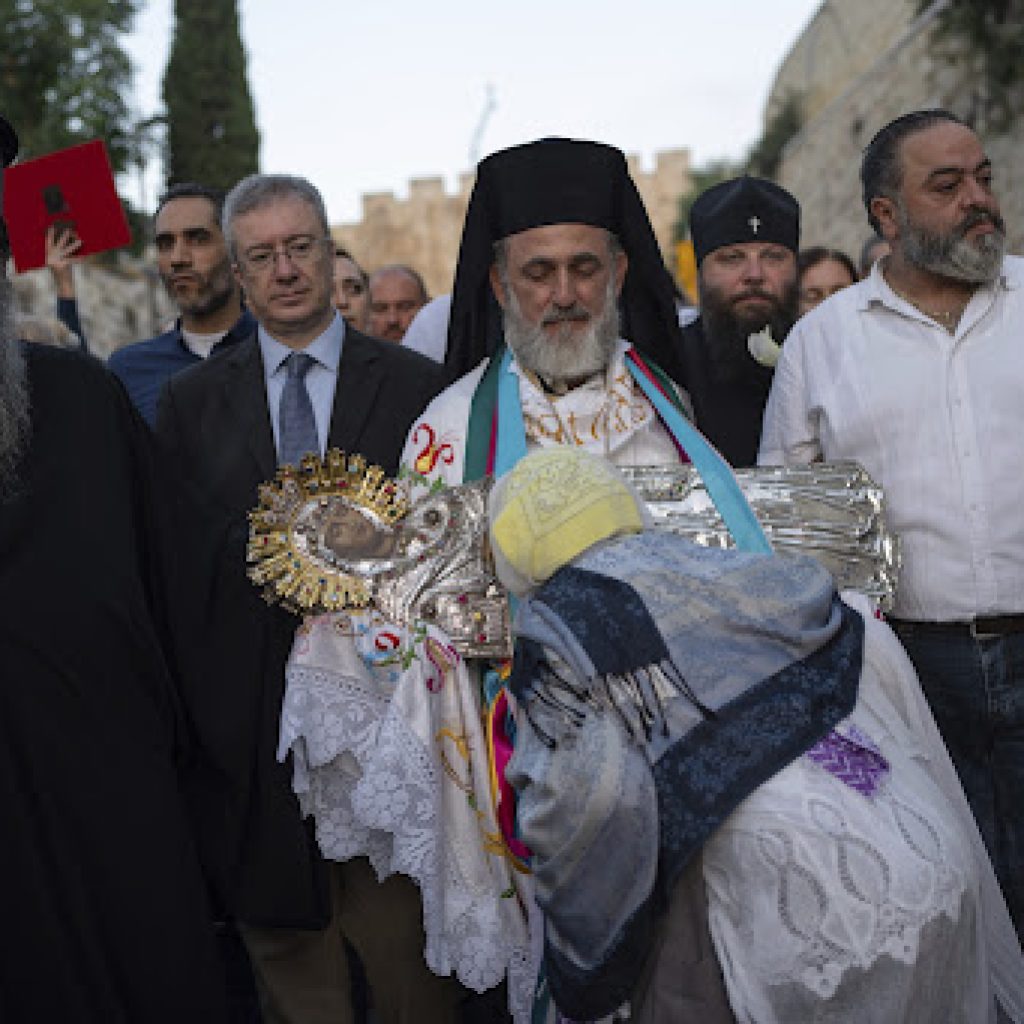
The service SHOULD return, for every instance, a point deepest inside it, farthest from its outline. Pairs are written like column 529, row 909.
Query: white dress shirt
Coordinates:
column 320, row 379
column 937, row 419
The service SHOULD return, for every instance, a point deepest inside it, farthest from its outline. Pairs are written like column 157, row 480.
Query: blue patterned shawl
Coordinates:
column 661, row 684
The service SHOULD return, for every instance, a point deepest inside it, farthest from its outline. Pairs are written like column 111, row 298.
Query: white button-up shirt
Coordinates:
column 937, row 419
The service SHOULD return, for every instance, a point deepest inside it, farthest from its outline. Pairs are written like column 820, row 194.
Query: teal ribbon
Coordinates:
column 511, row 445
column 718, row 478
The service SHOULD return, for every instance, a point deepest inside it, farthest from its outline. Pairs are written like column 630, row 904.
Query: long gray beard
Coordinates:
column 564, row 358
column 953, row 255
column 14, row 397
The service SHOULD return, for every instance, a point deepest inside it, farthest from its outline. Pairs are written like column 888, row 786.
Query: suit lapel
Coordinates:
column 245, row 391
column 359, row 380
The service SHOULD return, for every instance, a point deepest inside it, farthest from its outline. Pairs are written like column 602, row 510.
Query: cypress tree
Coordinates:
column 211, row 128
column 64, row 75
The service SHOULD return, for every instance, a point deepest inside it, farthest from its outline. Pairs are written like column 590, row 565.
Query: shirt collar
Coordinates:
column 242, row 327
column 875, row 290
column 325, row 348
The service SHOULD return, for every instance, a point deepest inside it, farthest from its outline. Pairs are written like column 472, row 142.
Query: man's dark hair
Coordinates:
column 193, row 190
column 816, row 254
column 340, row 252
column 880, row 172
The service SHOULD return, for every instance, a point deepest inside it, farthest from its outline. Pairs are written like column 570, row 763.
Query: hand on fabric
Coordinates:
column 61, row 245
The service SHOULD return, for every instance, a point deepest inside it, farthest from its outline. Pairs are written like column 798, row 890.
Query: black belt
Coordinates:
column 992, row 625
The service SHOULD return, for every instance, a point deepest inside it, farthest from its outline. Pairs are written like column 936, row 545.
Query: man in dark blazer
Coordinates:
column 302, row 381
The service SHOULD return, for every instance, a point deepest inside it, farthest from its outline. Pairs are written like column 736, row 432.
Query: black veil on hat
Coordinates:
column 8, row 151
column 558, row 181
column 8, row 143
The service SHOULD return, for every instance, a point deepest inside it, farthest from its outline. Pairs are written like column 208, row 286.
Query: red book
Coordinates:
column 73, row 187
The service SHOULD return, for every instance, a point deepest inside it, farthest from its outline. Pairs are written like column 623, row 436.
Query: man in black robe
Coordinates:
column 101, row 897
column 746, row 233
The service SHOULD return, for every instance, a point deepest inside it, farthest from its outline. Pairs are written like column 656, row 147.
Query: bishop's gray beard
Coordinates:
column 14, row 400
column 568, row 355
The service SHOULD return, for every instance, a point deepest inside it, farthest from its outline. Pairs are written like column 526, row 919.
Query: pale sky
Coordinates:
column 360, row 97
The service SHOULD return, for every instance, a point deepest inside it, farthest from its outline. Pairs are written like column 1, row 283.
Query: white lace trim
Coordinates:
column 390, row 768
column 810, row 882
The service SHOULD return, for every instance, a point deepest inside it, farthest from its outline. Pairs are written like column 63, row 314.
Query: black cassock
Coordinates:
column 102, row 904
column 727, row 410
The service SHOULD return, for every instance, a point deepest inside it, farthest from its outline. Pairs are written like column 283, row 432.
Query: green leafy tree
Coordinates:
column 211, row 128
column 766, row 154
column 64, row 76
column 989, row 34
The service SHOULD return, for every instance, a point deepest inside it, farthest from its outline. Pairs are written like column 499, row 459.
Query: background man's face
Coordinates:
column 350, row 296
column 192, row 257
column 946, row 218
column 291, row 297
column 751, row 281
column 820, row 280
column 745, row 288
column 559, row 275
column 395, row 298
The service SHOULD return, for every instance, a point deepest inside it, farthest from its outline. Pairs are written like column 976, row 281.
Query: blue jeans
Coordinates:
column 975, row 687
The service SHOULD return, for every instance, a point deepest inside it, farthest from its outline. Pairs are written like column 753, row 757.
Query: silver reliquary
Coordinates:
column 336, row 534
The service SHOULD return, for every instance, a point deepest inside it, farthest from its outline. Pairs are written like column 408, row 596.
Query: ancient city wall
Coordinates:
column 424, row 229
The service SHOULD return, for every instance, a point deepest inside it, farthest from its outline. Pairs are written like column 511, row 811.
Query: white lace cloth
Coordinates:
column 828, row 905
column 390, row 760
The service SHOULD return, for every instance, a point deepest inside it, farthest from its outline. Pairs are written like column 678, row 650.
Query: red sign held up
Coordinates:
column 72, row 187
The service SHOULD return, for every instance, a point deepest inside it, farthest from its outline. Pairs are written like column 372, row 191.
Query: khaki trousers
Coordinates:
column 303, row 976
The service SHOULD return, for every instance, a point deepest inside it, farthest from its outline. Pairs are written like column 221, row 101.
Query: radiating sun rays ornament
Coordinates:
column 336, row 534
column 323, row 530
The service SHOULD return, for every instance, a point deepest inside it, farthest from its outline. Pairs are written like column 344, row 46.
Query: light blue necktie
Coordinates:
column 296, row 424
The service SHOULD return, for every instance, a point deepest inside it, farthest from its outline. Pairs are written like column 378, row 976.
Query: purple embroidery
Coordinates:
column 853, row 759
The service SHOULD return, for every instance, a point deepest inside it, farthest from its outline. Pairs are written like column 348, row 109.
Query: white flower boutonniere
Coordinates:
column 764, row 348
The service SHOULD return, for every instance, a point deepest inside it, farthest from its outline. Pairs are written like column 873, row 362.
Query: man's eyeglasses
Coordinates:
column 300, row 250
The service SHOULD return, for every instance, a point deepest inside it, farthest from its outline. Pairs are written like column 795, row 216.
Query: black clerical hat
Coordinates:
column 744, row 210
column 8, row 143
column 558, row 181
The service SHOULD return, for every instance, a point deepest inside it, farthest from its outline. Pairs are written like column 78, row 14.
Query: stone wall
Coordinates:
column 117, row 305
column 831, row 54
column 424, row 230
column 901, row 69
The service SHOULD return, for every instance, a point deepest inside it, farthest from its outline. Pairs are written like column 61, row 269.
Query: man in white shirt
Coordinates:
column 917, row 373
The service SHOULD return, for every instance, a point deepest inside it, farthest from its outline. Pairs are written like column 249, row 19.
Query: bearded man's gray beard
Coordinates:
column 14, row 399
column 567, row 355
column 953, row 255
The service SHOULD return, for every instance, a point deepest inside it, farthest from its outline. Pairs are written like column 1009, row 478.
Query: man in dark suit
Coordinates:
column 302, row 381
